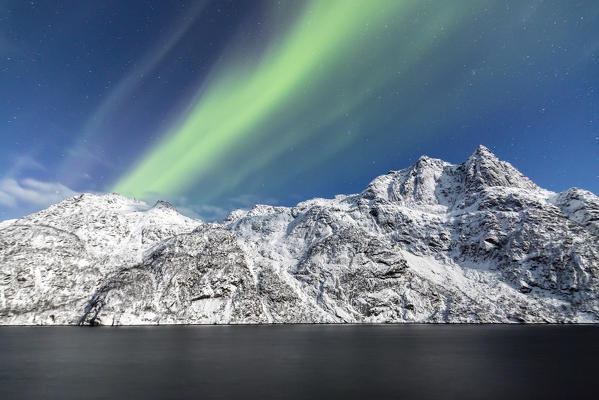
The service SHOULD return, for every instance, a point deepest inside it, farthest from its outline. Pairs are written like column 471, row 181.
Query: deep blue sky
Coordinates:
column 89, row 90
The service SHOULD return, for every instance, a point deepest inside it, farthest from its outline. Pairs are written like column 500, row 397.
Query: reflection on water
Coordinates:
column 300, row 361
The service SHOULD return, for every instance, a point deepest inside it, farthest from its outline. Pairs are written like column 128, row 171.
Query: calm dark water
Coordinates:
column 301, row 362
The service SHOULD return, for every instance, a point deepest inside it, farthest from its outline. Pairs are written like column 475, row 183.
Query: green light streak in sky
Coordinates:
column 236, row 105
column 410, row 52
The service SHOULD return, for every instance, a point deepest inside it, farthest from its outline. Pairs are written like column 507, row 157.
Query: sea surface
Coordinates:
column 301, row 362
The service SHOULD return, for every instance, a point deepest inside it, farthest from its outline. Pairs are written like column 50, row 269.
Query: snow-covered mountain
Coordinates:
column 436, row 242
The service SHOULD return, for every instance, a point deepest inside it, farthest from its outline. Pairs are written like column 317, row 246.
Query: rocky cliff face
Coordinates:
column 436, row 242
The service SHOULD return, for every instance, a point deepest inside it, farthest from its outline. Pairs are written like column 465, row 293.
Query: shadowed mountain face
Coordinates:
column 436, row 242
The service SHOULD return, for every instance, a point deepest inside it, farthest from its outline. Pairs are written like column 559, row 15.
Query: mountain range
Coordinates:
column 435, row 242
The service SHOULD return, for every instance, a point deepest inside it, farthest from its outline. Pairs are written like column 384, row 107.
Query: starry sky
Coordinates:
column 216, row 105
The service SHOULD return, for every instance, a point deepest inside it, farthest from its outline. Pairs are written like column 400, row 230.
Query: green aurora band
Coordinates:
column 254, row 112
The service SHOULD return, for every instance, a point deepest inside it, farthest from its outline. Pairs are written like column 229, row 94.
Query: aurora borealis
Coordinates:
column 218, row 104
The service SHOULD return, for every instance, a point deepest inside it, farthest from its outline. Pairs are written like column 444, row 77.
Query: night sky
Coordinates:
column 217, row 105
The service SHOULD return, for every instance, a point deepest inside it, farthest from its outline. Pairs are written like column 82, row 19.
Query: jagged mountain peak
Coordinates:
column 162, row 204
column 483, row 151
column 483, row 169
column 434, row 182
column 101, row 222
column 424, row 159
column 426, row 165
column 413, row 185
column 106, row 201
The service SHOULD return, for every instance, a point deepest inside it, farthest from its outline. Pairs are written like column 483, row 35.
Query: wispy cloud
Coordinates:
column 24, row 162
column 31, row 192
